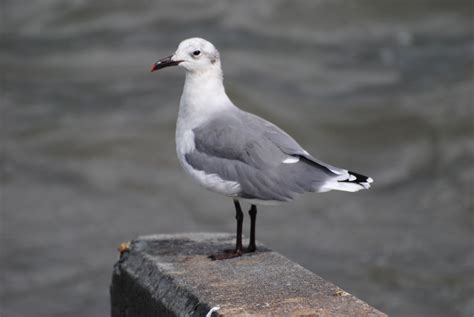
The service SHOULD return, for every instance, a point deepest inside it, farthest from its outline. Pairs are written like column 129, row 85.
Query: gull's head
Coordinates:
column 194, row 54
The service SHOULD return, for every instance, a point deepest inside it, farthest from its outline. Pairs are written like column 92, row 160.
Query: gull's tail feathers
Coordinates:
column 349, row 182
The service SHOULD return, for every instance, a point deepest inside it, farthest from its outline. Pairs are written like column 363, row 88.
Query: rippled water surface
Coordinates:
column 381, row 87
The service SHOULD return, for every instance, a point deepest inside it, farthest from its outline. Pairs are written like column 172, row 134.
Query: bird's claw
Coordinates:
column 227, row 254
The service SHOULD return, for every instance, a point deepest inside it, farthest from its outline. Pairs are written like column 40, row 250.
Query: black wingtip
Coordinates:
column 359, row 178
column 356, row 178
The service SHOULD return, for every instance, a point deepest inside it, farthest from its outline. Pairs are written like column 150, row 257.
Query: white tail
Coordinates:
column 349, row 182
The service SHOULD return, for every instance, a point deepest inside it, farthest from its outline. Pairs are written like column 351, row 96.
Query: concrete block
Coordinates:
column 171, row 275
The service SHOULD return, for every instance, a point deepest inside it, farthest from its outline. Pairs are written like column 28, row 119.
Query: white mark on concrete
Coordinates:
column 213, row 309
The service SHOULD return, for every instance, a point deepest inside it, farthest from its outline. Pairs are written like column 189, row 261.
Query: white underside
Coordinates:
column 346, row 187
column 263, row 202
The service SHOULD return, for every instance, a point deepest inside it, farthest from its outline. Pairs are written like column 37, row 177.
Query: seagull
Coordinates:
column 238, row 154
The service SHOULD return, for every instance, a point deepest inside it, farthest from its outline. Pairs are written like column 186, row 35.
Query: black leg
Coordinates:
column 239, row 216
column 253, row 218
column 238, row 251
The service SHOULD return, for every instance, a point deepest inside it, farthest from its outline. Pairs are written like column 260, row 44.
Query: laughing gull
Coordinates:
column 236, row 153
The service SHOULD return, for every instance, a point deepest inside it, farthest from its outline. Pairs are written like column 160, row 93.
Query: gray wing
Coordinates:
column 289, row 146
column 246, row 149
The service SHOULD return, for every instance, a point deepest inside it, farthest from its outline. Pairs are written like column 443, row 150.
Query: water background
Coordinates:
column 88, row 155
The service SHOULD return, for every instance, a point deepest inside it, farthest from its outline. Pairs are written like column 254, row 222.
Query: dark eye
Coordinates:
column 196, row 52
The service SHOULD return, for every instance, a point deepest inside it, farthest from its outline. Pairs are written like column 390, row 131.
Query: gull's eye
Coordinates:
column 196, row 52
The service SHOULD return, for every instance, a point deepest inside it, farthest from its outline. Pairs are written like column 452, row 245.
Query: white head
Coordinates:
column 196, row 55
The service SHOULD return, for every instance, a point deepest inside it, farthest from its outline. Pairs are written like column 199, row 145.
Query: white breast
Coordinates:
column 203, row 97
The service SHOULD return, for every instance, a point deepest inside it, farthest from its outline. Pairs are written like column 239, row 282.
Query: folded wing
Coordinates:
column 268, row 164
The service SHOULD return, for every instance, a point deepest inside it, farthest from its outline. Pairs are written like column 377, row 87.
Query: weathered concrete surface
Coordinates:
column 171, row 275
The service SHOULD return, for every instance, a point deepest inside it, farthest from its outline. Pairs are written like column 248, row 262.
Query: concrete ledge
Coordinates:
column 170, row 275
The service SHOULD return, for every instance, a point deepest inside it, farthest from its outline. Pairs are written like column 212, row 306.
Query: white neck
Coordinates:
column 203, row 96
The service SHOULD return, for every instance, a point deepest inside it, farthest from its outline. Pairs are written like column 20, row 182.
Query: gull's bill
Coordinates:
column 164, row 62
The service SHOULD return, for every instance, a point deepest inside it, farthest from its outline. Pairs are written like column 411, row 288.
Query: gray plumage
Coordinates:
column 241, row 147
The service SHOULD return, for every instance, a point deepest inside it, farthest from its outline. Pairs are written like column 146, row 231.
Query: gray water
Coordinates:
column 88, row 156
